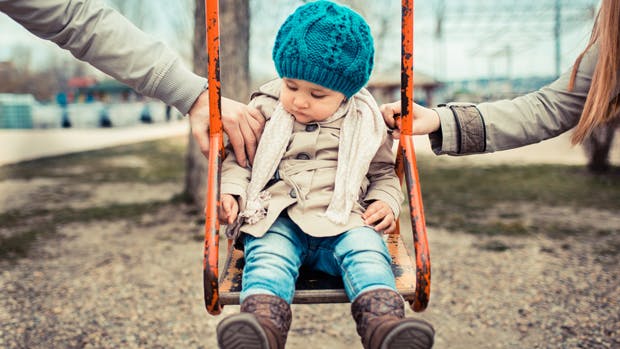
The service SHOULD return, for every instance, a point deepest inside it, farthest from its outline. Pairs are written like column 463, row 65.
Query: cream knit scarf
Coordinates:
column 361, row 135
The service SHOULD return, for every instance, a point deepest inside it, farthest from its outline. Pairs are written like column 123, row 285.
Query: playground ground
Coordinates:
column 98, row 252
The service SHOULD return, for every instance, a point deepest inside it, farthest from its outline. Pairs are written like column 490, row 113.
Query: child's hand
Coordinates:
column 381, row 214
column 425, row 120
column 229, row 207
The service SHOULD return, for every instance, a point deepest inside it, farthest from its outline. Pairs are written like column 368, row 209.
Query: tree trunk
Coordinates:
column 597, row 147
column 234, row 72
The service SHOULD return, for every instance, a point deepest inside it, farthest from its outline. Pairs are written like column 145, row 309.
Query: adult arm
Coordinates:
column 507, row 124
column 99, row 35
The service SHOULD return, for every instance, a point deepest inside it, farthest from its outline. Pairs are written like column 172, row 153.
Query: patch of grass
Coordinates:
column 17, row 246
column 559, row 231
column 469, row 188
column 43, row 223
column 159, row 161
column 164, row 159
column 604, row 232
column 110, row 212
column 18, row 217
column 508, row 215
column 610, row 249
column 64, row 215
column 457, row 198
column 501, row 228
column 494, row 246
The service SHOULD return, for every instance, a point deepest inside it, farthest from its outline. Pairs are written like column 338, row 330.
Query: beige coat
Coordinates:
column 307, row 173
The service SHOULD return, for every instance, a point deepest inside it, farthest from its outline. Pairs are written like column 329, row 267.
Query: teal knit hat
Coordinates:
column 327, row 44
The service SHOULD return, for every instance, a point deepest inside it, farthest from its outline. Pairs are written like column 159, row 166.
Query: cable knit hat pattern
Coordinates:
column 326, row 44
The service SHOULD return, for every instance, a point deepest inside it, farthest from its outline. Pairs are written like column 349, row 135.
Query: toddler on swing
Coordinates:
column 322, row 188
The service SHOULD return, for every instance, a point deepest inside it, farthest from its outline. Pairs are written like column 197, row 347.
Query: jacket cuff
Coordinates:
column 445, row 140
column 462, row 130
column 472, row 137
column 180, row 87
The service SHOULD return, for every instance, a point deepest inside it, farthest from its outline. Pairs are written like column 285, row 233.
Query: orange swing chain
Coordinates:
column 212, row 201
column 408, row 161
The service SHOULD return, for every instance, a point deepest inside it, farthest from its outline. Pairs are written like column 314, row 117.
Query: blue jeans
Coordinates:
column 272, row 261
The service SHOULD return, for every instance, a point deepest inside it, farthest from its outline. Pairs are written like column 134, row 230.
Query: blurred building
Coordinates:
column 16, row 110
column 86, row 89
column 386, row 89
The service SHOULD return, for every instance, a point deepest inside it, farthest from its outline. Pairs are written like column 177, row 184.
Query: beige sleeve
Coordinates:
column 384, row 184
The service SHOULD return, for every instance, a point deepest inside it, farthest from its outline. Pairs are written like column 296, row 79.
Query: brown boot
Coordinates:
column 263, row 323
column 381, row 323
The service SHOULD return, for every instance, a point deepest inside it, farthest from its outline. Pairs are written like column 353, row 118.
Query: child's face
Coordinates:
column 309, row 102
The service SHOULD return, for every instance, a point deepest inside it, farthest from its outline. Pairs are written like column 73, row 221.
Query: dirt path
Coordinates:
column 137, row 284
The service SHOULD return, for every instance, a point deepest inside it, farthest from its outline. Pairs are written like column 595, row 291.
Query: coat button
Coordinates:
column 311, row 127
column 303, row 156
column 293, row 194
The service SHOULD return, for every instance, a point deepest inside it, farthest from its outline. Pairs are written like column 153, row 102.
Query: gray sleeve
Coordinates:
column 508, row 124
column 99, row 35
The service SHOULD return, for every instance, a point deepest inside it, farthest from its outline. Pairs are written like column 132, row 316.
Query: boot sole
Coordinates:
column 241, row 331
column 412, row 334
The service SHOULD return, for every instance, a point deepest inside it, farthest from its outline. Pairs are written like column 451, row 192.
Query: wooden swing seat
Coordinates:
column 318, row 287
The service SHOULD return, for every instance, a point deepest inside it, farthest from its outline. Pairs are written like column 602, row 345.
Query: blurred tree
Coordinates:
column 44, row 83
column 21, row 56
column 598, row 145
column 234, row 72
column 169, row 21
column 137, row 11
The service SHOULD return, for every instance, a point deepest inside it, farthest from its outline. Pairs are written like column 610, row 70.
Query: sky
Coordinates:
column 477, row 36
column 11, row 34
column 480, row 38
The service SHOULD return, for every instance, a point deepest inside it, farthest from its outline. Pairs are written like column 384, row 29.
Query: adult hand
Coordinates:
column 425, row 120
column 243, row 125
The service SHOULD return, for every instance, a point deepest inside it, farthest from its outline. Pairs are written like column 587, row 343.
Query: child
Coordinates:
column 321, row 189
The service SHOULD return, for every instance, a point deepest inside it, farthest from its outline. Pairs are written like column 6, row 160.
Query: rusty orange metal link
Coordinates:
column 212, row 227
column 213, row 54
column 418, row 226
column 406, row 67
column 212, row 201
column 406, row 159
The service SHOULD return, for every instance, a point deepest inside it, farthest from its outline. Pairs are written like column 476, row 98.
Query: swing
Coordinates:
column 412, row 270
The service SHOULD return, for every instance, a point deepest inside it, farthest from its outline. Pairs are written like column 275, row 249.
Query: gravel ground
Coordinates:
column 137, row 283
